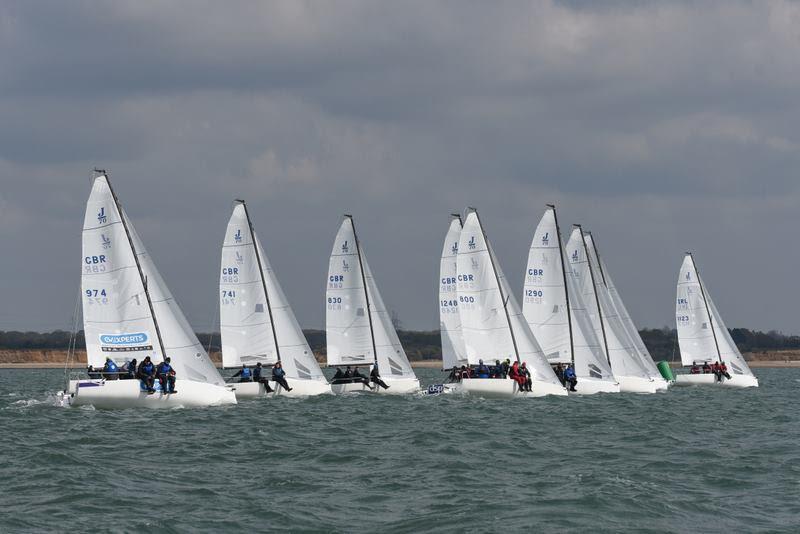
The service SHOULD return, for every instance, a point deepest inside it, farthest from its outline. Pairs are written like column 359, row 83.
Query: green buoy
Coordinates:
column 666, row 371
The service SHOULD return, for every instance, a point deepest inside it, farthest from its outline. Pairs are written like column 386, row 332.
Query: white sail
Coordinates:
column 630, row 327
column 480, row 304
column 703, row 337
column 117, row 319
column 350, row 338
column 695, row 337
column 621, row 352
column 453, row 350
column 590, row 357
column 544, row 300
column 246, row 329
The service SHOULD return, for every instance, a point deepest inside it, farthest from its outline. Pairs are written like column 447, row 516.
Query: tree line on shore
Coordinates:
column 422, row 345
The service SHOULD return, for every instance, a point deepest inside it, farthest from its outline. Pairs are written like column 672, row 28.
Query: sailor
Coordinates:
column 244, row 374
column 482, row 371
column 375, row 377
column 496, row 371
column 358, row 377
column 110, row 370
column 466, row 372
column 570, row 377
column 166, row 376
column 93, row 373
column 260, row 379
column 526, row 373
column 506, row 365
column 455, row 374
column 146, row 372
column 717, row 372
column 279, row 376
column 348, row 373
column 560, row 374
column 338, row 375
column 131, row 369
column 706, row 368
column 694, row 370
column 723, row 370
column 514, row 374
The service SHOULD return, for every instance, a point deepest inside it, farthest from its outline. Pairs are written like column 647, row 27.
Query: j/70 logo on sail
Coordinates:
column 101, row 216
column 238, row 236
column 546, row 238
column 123, row 339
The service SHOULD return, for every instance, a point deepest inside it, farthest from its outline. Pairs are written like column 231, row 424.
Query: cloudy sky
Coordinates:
column 662, row 127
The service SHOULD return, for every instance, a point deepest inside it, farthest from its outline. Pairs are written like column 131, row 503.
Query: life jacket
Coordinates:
column 257, row 372
column 148, row 368
column 111, row 367
column 278, row 372
column 165, row 368
column 245, row 372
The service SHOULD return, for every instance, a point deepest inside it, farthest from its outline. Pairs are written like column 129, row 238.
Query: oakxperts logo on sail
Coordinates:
column 124, row 342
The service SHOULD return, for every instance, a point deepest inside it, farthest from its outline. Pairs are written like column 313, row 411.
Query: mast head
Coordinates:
column 551, row 206
column 239, row 200
column 101, row 172
column 348, row 216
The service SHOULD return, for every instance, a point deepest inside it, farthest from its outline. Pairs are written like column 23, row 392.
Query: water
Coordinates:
column 693, row 459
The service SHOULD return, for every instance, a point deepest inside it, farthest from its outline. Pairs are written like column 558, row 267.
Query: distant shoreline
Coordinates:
column 422, row 364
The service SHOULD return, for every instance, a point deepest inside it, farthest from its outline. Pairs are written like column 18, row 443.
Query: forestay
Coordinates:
column 453, row 350
column 244, row 309
column 544, row 300
column 621, row 352
column 117, row 318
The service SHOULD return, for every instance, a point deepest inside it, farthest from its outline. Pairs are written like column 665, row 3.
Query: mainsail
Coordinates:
column 358, row 326
column 702, row 335
column 256, row 322
column 128, row 312
column 453, row 350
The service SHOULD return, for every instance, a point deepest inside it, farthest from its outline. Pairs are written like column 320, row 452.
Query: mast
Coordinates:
column 499, row 286
column 261, row 275
column 596, row 296
column 708, row 312
column 366, row 292
column 142, row 277
column 566, row 286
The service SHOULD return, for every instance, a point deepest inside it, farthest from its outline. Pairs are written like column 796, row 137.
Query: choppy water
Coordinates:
column 693, row 459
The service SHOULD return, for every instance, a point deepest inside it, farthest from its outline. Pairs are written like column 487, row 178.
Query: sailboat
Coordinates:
column 628, row 368
column 454, row 352
column 257, row 324
column 620, row 321
column 128, row 312
column 702, row 336
column 358, row 327
column 492, row 324
column 555, row 310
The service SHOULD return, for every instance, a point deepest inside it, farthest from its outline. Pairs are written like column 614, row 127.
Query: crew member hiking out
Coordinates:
column 515, row 375
column 261, row 379
column 358, row 377
column 375, row 377
column 166, row 376
column 279, row 376
column 146, row 373
column 526, row 374
column 110, row 370
column 570, row 378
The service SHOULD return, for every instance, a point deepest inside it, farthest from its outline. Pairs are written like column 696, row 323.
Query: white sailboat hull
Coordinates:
column 120, row 394
column 636, row 384
column 507, row 388
column 300, row 388
column 736, row 381
column 662, row 384
column 586, row 386
column 397, row 386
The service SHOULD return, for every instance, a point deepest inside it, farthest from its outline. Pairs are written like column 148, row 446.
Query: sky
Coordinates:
column 661, row 127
